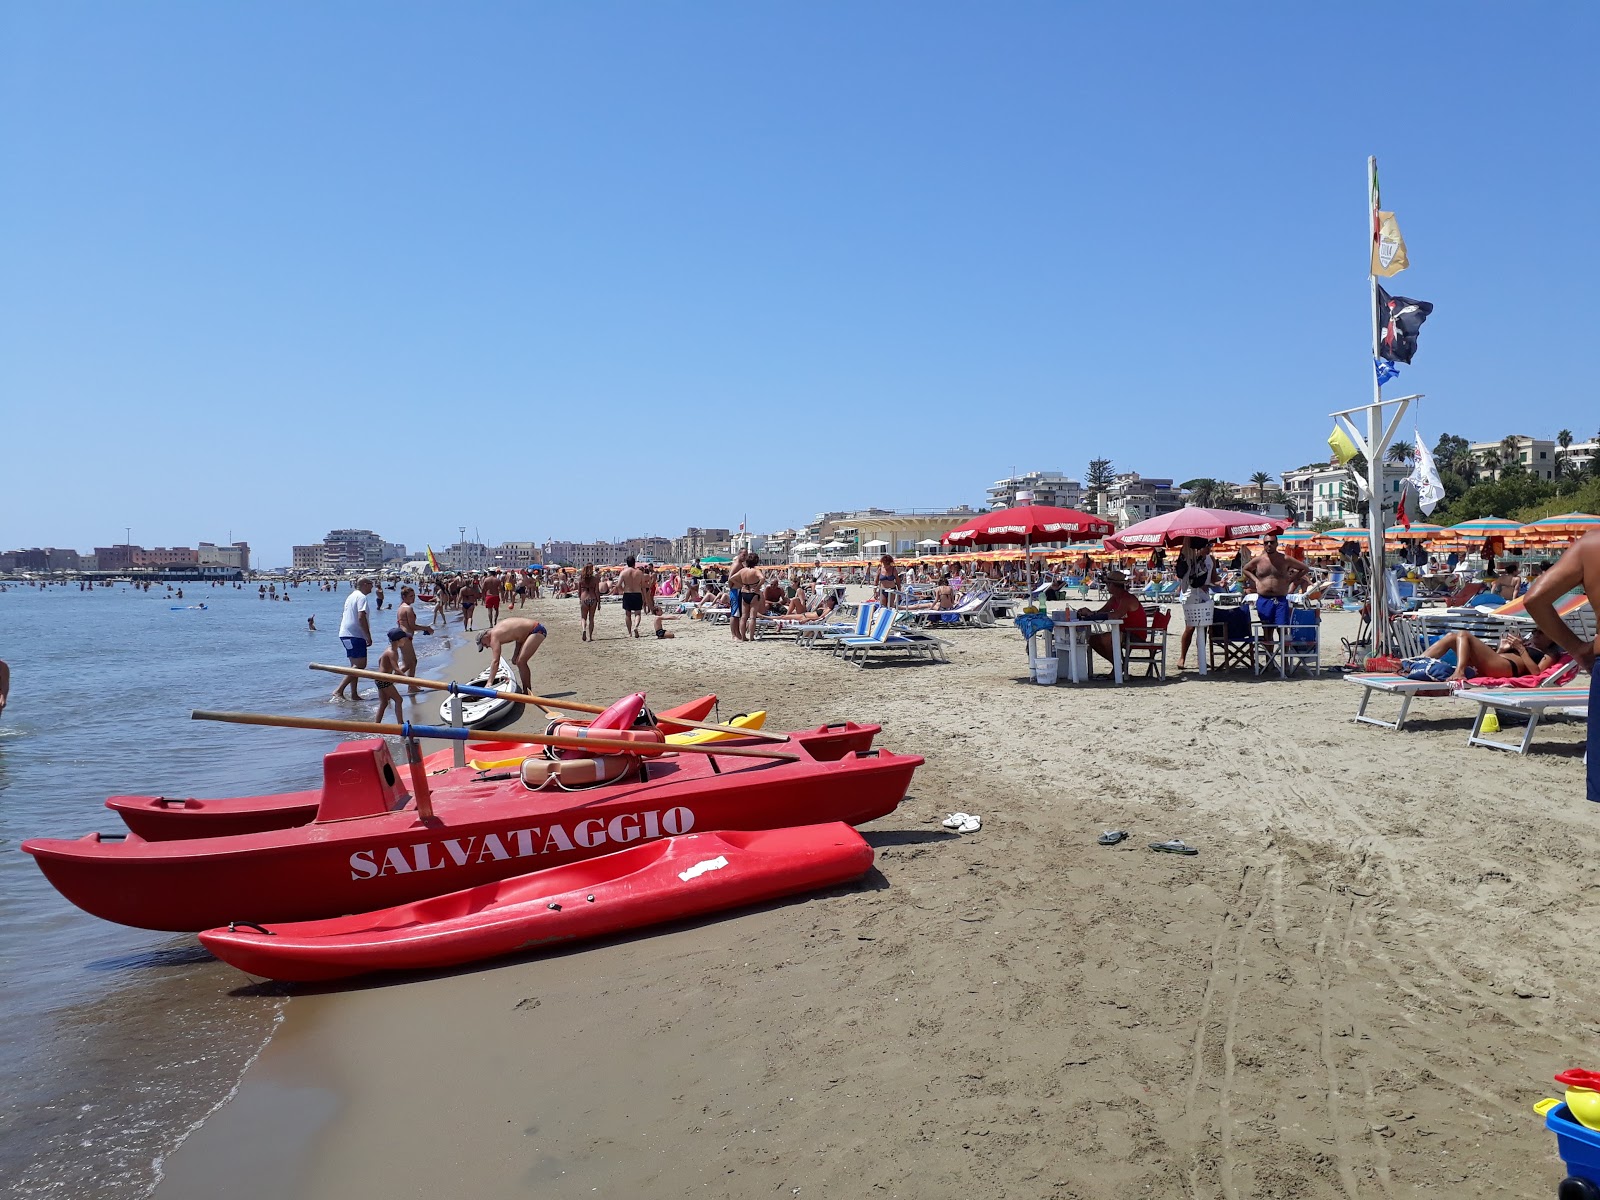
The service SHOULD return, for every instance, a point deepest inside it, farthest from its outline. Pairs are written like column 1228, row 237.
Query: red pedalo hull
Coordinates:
column 665, row 880
column 357, row 859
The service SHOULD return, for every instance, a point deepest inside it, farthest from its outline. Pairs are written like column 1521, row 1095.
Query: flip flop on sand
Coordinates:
column 970, row 825
column 1175, row 846
column 1112, row 836
column 956, row 820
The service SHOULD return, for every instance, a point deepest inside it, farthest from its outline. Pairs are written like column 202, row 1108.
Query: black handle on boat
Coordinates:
column 407, row 730
column 234, row 926
column 470, row 689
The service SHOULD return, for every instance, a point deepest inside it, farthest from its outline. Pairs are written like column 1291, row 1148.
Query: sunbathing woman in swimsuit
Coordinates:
column 888, row 582
column 1513, row 657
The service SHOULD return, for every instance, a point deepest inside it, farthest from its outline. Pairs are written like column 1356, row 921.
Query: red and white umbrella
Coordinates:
column 1213, row 524
column 1028, row 524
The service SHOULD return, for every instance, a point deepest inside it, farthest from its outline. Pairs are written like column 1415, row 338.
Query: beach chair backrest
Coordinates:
column 1303, row 629
column 882, row 624
column 864, row 617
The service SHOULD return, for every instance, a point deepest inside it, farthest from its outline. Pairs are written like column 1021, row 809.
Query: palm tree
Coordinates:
column 1261, row 479
column 1564, row 438
column 1204, row 492
column 1509, row 451
column 1402, row 452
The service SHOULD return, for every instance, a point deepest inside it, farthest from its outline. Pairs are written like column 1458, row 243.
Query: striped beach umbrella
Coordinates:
column 1485, row 527
column 1565, row 526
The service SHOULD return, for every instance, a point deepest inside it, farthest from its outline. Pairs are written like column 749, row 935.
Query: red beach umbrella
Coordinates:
column 1028, row 524
column 1214, row 524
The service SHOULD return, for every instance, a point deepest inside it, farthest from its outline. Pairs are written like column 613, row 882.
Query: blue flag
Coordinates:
column 1386, row 370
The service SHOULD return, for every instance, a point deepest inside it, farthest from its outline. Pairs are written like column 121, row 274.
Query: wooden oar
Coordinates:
column 472, row 689
column 451, row 732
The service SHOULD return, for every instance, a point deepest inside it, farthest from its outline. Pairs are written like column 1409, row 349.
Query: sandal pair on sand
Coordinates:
column 1112, row 837
column 963, row 823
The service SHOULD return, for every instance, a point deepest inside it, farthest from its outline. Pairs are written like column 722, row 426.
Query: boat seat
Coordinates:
column 359, row 780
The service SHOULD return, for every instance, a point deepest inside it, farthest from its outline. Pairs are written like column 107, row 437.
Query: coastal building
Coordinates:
column 657, row 549
column 236, row 555
column 697, row 543
column 165, row 556
column 394, row 552
column 583, row 554
column 351, row 550
column 307, row 558
column 1131, row 497
column 514, row 556
column 1327, row 491
column 1046, row 487
column 115, row 558
column 902, row 530
column 467, row 556
column 1578, row 457
column 1537, row 456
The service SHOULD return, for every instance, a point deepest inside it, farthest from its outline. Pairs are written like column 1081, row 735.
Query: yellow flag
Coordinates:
column 1341, row 445
column 1388, row 247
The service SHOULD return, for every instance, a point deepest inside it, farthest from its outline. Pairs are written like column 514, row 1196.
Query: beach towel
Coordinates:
column 1552, row 674
column 1032, row 623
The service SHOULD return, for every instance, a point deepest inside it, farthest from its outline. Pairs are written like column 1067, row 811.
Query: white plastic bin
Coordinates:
column 1043, row 665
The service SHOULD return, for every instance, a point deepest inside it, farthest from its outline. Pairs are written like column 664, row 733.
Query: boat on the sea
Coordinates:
column 368, row 849
column 666, row 880
column 167, row 818
column 486, row 712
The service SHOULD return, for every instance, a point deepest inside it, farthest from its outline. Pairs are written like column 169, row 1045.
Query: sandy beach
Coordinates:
column 1359, row 986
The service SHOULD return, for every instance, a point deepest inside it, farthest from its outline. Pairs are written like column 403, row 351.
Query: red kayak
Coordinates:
column 665, row 880
column 369, row 850
column 166, row 818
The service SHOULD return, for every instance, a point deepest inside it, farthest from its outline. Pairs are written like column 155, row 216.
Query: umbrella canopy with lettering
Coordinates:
column 1213, row 524
column 1027, row 524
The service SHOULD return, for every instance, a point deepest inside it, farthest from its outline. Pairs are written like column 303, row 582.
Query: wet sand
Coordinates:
column 1358, row 987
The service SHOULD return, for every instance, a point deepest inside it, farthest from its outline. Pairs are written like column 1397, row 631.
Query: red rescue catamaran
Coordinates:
column 367, row 849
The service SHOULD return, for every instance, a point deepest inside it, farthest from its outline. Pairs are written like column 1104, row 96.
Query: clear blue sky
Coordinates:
column 600, row 269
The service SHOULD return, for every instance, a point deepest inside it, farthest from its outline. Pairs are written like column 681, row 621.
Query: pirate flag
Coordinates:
column 1399, row 321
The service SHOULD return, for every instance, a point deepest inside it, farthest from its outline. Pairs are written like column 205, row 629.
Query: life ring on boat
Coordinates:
column 616, row 722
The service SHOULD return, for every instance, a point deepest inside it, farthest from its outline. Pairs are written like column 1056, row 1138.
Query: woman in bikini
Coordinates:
column 588, row 601
column 1513, row 657
column 887, row 583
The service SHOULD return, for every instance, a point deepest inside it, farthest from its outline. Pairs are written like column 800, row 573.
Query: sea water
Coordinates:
column 115, row 1042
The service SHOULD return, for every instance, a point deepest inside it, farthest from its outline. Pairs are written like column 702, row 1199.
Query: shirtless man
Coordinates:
column 406, row 622
column 632, row 583
column 1579, row 567
column 748, row 580
column 1273, row 575
column 524, row 635
column 5, row 685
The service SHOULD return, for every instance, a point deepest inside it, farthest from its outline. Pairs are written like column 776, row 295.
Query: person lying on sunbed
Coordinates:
column 1513, row 657
column 944, row 598
column 823, row 612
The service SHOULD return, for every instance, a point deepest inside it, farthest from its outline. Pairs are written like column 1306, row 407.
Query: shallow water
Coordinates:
column 116, row 1041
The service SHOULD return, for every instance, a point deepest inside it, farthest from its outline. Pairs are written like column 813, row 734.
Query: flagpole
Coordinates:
column 1377, row 584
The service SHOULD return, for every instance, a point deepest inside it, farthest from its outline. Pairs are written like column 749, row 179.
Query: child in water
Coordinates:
column 389, row 663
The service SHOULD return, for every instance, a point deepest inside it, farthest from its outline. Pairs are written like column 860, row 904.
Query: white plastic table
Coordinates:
column 1073, row 632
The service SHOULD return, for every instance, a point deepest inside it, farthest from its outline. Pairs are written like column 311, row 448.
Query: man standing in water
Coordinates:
column 355, row 631
column 406, row 623
column 1274, row 575
column 631, row 583
column 1579, row 567
column 5, row 685
column 524, row 635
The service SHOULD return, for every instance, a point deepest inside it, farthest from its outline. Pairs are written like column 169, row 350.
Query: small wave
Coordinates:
column 170, row 956
column 159, row 1162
